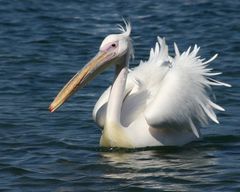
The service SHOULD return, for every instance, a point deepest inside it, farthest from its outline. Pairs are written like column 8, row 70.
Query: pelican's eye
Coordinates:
column 110, row 46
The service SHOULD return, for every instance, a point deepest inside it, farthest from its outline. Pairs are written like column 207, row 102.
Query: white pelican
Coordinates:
column 160, row 102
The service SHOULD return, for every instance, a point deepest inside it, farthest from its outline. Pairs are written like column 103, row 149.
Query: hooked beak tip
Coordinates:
column 51, row 108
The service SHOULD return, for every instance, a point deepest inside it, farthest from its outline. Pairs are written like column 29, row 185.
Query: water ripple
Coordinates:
column 43, row 43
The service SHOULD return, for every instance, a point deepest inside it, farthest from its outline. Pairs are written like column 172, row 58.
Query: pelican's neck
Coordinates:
column 114, row 134
column 116, row 97
column 121, row 63
column 118, row 88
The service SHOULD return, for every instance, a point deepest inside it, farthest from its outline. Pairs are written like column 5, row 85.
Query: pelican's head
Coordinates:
column 115, row 49
column 118, row 45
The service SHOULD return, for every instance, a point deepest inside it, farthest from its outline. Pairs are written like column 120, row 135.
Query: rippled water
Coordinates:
column 43, row 43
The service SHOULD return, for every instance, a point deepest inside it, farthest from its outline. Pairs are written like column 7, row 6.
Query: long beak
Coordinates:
column 89, row 71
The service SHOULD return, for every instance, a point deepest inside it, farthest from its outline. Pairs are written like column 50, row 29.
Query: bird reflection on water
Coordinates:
column 160, row 167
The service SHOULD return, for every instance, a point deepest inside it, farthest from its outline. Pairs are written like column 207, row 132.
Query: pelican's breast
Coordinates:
column 115, row 136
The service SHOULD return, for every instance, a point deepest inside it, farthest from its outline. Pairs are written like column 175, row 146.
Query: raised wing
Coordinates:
column 182, row 96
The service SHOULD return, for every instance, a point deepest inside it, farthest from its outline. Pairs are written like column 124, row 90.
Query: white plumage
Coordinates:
column 163, row 101
column 166, row 93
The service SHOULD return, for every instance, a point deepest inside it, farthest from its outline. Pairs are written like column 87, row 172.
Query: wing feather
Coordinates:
column 182, row 96
column 175, row 90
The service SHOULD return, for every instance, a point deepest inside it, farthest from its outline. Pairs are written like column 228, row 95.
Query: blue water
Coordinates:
column 43, row 43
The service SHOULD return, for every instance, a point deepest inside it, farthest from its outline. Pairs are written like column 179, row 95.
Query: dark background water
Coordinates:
column 43, row 43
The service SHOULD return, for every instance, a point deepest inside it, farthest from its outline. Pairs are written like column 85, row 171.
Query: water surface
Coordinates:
column 43, row 43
